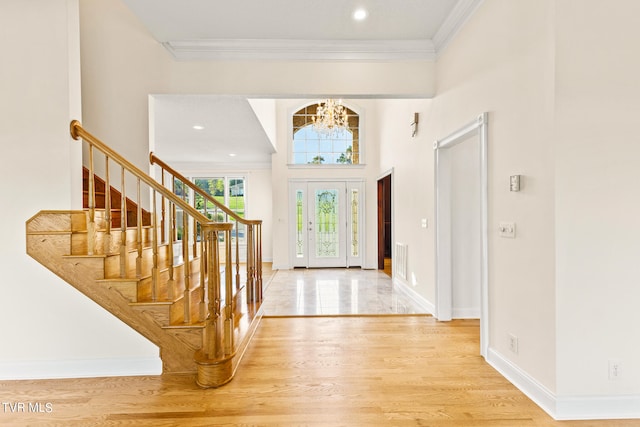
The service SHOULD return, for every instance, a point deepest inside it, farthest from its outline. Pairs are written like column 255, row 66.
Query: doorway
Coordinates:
column 328, row 219
column 458, row 195
column 385, row 237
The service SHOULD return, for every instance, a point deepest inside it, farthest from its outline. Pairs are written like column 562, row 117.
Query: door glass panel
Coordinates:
column 327, row 236
column 354, row 223
column 300, row 225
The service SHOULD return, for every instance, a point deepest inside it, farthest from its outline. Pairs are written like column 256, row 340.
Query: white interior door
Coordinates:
column 327, row 224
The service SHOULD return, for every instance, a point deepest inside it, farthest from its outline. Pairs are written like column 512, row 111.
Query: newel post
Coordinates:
column 214, row 360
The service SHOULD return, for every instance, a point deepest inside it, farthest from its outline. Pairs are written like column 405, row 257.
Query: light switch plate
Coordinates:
column 424, row 223
column 507, row 229
column 514, row 183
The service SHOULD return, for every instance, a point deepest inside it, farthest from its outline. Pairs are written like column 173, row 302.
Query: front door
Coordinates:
column 326, row 232
column 326, row 224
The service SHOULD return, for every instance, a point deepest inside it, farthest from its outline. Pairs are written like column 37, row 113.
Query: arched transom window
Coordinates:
column 313, row 146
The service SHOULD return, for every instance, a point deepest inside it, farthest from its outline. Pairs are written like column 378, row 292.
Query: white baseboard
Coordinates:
column 566, row 407
column 280, row 267
column 89, row 368
column 422, row 302
column 598, row 407
column 535, row 391
column 465, row 313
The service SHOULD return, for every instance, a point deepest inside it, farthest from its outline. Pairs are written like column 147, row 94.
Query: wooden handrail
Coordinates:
column 218, row 341
column 77, row 132
column 153, row 159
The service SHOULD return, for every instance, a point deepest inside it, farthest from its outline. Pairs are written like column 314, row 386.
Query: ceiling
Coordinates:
column 280, row 30
column 229, row 131
column 303, row 29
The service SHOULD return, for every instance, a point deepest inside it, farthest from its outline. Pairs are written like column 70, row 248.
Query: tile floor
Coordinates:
column 331, row 292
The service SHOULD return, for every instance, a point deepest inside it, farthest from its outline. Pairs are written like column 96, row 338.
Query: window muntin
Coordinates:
column 310, row 147
column 228, row 190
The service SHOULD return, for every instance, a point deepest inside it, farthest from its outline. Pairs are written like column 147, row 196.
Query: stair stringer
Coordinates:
column 49, row 243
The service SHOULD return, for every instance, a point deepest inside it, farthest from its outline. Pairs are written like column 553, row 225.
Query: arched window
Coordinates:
column 313, row 146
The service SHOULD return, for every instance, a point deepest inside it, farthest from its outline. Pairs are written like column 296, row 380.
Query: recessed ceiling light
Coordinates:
column 360, row 15
column 198, row 127
column 232, row 154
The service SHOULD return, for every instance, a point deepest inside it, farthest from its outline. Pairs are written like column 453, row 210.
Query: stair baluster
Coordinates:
column 138, row 229
column 107, row 211
column 124, row 259
column 187, row 268
column 91, row 214
column 154, row 243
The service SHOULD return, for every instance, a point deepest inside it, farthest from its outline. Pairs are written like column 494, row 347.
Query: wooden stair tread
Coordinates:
column 199, row 325
column 85, row 256
column 150, row 303
column 49, row 232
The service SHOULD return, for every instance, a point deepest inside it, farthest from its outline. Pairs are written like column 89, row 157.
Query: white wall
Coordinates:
column 559, row 80
column 502, row 63
column 412, row 162
column 466, row 227
column 597, row 196
column 50, row 329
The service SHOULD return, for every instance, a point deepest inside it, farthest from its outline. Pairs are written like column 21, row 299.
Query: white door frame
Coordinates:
column 444, row 288
column 351, row 184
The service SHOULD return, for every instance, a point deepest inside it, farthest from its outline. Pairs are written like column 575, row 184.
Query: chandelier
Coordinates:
column 330, row 117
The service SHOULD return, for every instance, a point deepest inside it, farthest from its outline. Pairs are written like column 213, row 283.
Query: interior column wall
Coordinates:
column 597, row 202
column 411, row 158
column 502, row 63
column 49, row 328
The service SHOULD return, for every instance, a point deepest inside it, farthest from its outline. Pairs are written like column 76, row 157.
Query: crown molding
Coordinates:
column 325, row 50
column 461, row 12
column 301, row 50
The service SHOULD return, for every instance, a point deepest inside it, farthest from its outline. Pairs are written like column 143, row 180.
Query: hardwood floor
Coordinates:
column 316, row 371
column 388, row 263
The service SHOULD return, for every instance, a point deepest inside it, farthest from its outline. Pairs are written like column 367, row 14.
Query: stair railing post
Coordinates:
column 202, row 310
column 250, row 264
column 213, row 337
column 259, row 260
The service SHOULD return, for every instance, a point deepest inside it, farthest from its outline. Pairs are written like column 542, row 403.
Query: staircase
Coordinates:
column 168, row 271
